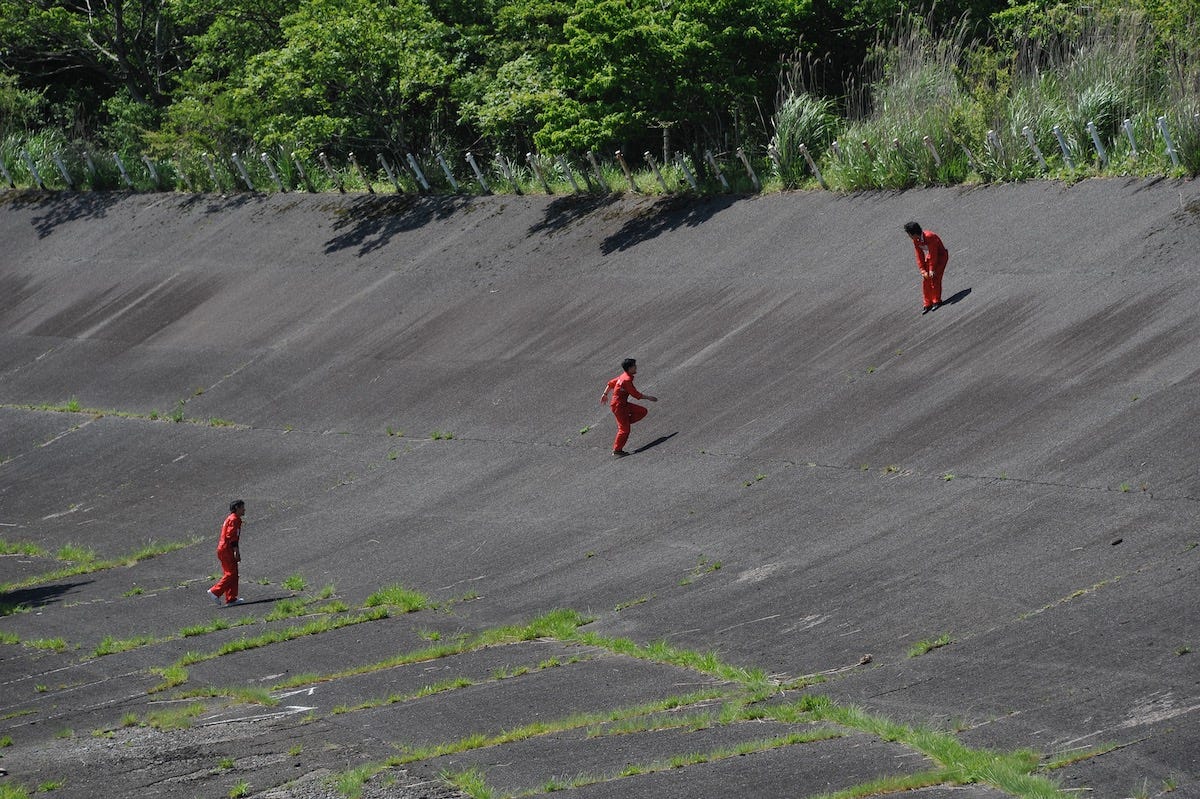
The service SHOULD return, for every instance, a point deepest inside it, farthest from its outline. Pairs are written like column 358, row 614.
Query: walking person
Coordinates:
column 931, row 261
column 627, row 413
column 230, row 556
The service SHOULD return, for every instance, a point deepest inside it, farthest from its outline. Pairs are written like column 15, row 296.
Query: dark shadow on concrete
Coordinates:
column 655, row 442
column 371, row 221
column 957, row 296
column 62, row 207
column 665, row 215
column 264, row 601
column 38, row 597
column 217, row 203
column 564, row 211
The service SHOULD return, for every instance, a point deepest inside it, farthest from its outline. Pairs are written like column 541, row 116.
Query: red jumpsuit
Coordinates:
column 227, row 553
column 627, row 413
column 931, row 260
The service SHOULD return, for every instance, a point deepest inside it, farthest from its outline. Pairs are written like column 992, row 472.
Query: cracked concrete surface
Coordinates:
column 827, row 479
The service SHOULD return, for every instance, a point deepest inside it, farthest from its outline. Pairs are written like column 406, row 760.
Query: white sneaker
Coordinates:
column 216, row 598
column 235, row 601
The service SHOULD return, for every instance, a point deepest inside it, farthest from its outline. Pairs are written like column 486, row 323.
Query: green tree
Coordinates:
column 512, row 83
column 18, row 107
column 97, row 47
column 225, row 37
column 697, row 69
column 350, row 73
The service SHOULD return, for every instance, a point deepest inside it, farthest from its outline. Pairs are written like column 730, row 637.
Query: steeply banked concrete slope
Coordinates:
column 980, row 520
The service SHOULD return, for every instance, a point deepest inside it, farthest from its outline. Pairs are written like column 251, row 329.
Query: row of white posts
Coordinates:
column 536, row 166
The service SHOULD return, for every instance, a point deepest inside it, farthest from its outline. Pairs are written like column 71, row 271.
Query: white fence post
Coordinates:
column 749, row 169
column 1127, row 125
column 241, row 168
column 654, row 166
column 687, row 173
column 183, row 175
column 153, row 171
column 212, row 172
column 562, row 162
column 591, row 156
column 1100, row 151
column 383, row 162
column 1162, row 128
column 478, row 173
column 28, row 159
column 266, row 159
column 416, row 168
column 716, row 168
column 625, row 168
column 1062, row 145
column 62, row 169
column 812, row 164
column 1033, row 146
column 446, row 171
column 537, row 171
column 121, row 169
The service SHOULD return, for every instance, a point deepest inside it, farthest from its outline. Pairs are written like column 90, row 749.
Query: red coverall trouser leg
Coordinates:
column 931, row 287
column 627, row 415
column 228, row 584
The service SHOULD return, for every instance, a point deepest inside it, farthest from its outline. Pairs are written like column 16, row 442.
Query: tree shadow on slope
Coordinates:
column 670, row 213
column 62, row 207
column 35, row 597
column 217, row 203
column 562, row 212
column 370, row 222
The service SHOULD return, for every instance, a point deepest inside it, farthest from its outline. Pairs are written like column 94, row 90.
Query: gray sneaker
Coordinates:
column 216, row 598
column 235, row 601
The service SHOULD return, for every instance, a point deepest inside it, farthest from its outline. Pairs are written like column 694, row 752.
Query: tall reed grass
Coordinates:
column 923, row 113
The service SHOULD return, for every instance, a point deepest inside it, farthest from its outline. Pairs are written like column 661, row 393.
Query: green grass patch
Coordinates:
column 111, row 646
column 51, row 644
column 90, row 565
column 929, row 644
column 397, row 596
column 20, row 548
column 175, row 718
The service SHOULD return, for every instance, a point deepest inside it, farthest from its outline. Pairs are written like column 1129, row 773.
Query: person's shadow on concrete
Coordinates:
column 960, row 295
column 655, row 442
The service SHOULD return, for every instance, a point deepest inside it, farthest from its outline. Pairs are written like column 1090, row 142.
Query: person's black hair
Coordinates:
column 628, row 362
column 237, row 503
column 912, row 229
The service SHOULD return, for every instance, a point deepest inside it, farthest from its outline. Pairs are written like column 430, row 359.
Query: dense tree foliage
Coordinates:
column 552, row 75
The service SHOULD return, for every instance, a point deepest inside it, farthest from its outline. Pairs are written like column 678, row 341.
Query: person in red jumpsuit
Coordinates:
column 627, row 413
column 931, row 261
column 230, row 555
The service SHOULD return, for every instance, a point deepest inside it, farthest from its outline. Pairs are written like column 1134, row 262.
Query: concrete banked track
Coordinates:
column 405, row 392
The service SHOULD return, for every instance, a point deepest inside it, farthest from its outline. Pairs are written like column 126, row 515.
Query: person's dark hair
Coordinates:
column 628, row 362
column 912, row 229
column 237, row 503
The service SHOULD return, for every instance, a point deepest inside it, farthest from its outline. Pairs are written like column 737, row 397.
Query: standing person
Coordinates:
column 931, row 261
column 230, row 555
column 627, row 413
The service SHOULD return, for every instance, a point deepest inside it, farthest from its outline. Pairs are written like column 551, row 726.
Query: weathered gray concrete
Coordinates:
column 827, row 475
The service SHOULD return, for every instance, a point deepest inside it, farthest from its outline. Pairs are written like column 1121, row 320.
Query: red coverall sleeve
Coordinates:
column 229, row 532
column 940, row 255
column 631, row 389
column 920, row 257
